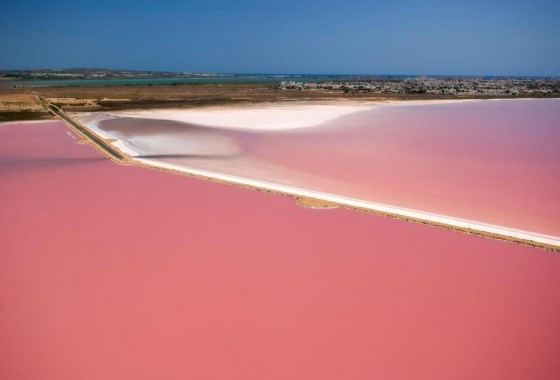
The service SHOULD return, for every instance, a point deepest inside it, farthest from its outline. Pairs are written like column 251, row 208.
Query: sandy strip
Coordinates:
column 486, row 229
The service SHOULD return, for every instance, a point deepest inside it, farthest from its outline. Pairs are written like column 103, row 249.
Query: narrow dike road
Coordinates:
column 100, row 144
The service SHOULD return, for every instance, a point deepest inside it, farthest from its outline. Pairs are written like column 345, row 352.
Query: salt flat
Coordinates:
column 262, row 118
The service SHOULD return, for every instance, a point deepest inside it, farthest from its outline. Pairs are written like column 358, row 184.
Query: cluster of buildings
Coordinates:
column 458, row 86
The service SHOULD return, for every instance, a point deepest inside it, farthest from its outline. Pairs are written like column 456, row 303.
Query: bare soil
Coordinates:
column 106, row 98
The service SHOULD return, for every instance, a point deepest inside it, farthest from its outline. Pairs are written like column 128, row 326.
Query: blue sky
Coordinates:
column 516, row 37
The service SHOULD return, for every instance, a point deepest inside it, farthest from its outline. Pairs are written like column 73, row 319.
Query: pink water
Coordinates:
column 110, row 271
column 496, row 162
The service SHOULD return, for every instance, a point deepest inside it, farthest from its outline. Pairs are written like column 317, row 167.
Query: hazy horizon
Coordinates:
column 281, row 73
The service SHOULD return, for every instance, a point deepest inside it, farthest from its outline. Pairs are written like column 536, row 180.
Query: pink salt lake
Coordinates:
column 494, row 162
column 117, row 271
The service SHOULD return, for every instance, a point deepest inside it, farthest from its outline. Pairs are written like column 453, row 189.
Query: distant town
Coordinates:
column 429, row 85
column 453, row 86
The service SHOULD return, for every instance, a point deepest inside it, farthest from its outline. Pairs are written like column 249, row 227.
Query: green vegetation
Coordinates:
column 24, row 115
